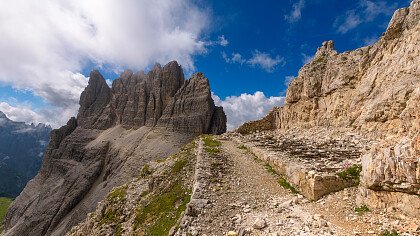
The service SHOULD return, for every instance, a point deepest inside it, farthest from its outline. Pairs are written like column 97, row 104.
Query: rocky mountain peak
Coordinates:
column 93, row 102
column 326, row 48
column 139, row 99
column 2, row 115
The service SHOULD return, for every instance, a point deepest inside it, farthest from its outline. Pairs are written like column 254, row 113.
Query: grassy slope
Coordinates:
column 4, row 205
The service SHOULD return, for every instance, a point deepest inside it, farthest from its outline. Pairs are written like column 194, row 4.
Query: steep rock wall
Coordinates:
column 376, row 91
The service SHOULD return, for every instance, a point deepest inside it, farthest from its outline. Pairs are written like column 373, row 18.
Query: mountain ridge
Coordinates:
column 118, row 130
column 21, row 148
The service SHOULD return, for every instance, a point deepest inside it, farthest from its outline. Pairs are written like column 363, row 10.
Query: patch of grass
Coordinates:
column 242, row 147
column 116, row 198
column 361, row 209
column 179, row 165
column 389, row 233
column 4, row 206
column 211, row 145
column 209, row 141
column 145, row 171
column 351, row 173
column 162, row 212
column 270, row 169
column 118, row 194
column 283, row 182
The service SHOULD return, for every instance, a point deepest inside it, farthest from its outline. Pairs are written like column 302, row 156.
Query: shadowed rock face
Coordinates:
column 118, row 130
column 162, row 97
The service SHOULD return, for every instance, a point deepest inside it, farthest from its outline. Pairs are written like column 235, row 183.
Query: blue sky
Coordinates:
column 248, row 50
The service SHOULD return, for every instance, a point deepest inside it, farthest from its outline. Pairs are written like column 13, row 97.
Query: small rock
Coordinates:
column 412, row 227
column 259, row 224
column 232, row 233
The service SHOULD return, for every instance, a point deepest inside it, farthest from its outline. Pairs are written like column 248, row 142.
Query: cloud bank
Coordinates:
column 45, row 44
column 246, row 107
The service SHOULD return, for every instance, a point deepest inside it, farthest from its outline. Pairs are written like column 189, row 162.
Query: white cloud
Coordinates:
column 235, row 58
column 223, row 41
column 366, row 11
column 372, row 9
column 265, row 61
column 296, row 12
column 45, row 44
column 288, row 79
column 246, row 107
column 307, row 58
column 349, row 22
column 21, row 113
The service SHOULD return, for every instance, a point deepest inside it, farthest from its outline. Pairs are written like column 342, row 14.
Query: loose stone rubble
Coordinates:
column 309, row 159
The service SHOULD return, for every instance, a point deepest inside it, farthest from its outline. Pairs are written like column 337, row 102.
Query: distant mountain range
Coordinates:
column 22, row 148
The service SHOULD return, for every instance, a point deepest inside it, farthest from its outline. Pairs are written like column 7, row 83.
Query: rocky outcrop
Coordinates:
column 375, row 91
column 118, row 130
column 266, row 123
column 160, row 98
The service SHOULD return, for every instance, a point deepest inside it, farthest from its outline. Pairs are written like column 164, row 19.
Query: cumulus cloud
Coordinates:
column 296, row 12
column 45, row 44
column 246, row 107
column 265, row 61
column 234, row 58
column 21, row 113
column 366, row 11
column 348, row 22
column 259, row 59
column 222, row 41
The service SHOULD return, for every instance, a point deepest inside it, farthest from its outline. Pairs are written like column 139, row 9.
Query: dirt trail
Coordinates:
column 239, row 195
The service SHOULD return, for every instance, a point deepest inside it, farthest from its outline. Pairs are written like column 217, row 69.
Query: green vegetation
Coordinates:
column 389, row 233
column 162, row 212
column 112, row 215
column 361, row 209
column 118, row 194
column 4, row 206
column 283, row 182
column 351, row 173
column 270, row 169
column 145, row 171
column 211, row 145
column 162, row 206
column 179, row 165
column 242, row 147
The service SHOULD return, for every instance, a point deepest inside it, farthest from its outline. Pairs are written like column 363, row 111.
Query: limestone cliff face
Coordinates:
column 162, row 97
column 118, row 130
column 376, row 91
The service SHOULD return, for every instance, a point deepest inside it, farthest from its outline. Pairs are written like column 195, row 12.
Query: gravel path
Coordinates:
column 238, row 195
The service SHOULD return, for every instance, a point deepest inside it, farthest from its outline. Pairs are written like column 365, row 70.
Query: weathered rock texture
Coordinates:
column 161, row 98
column 117, row 131
column 266, row 123
column 374, row 90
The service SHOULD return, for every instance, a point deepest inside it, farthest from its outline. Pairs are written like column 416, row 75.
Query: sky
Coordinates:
column 248, row 50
